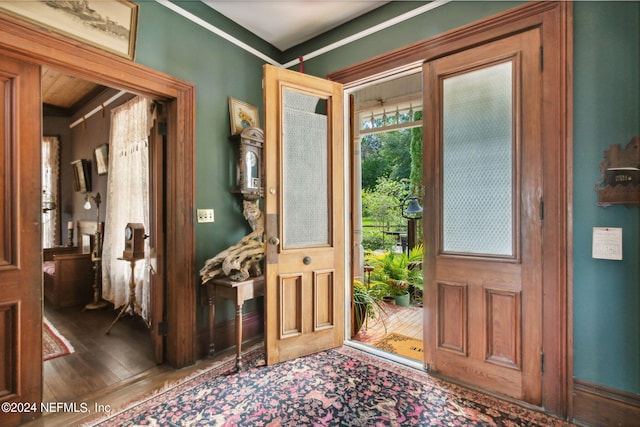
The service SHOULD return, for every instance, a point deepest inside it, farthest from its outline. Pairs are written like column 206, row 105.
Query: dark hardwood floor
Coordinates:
column 107, row 372
column 99, row 360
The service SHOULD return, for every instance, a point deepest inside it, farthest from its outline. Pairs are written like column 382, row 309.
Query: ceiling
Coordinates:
column 66, row 93
column 282, row 23
column 285, row 24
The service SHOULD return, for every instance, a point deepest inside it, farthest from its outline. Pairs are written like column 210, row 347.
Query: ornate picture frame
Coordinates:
column 108, row 25
column 242, row 115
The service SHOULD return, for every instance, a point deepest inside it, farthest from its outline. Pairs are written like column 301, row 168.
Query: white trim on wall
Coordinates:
column 362, row 34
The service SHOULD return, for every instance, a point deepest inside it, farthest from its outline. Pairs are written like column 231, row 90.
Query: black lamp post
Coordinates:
column 412, row 212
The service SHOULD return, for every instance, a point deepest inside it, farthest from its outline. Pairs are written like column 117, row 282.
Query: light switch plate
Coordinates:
column 205, row 215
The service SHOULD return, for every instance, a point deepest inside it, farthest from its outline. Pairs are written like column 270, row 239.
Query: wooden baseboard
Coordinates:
column 596, row 405
column 225, row 333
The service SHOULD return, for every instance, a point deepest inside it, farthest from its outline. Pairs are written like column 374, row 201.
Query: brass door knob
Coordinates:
column 274, row 240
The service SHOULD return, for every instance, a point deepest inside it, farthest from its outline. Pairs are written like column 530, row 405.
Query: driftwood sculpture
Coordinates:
column 242, row 260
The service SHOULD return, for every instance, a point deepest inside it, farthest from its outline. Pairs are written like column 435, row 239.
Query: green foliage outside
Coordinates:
column 391, row 172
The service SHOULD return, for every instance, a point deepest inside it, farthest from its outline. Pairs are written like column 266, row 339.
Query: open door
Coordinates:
column 483, row 166
column 20, row 247
column 304, row 206
column 156, row 232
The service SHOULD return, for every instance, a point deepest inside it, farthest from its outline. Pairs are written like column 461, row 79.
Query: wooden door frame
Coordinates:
column 554, row 21
column 30, row 43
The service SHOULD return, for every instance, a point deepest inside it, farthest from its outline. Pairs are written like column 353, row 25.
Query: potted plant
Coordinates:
column 366, row 303
column 397, row 271
column 399, row 289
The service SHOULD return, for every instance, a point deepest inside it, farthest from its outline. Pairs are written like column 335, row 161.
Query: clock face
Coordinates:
column 128, row 233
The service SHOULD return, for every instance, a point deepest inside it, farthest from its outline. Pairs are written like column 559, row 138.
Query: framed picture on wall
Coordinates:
column 109, row 25
column 242, row 116
column 102, row 159
column 81, row 176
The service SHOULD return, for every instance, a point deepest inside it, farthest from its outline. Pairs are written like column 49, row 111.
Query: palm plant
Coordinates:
column 397, row 270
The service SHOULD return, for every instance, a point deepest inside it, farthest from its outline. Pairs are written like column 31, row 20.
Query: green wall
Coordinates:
column 606, row 111
column 172, row 44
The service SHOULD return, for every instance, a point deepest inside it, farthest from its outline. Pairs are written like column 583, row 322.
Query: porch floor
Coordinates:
column 402, row 320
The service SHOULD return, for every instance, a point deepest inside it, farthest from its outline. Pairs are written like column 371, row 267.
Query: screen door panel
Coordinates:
column 305, row 166
column 478, row 162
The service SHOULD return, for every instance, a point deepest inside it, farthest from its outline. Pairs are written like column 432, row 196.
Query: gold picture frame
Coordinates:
column 242, row 115
column 108, row 25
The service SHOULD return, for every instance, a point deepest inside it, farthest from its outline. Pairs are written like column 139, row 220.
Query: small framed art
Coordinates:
column 102, row 159
column 242, row 116
column 81, row 176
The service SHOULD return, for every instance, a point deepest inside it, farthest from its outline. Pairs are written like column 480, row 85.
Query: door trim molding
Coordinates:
column 554, row 21
column 27, row 42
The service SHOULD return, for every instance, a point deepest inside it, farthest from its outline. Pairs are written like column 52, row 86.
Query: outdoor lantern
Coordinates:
column 249, row 169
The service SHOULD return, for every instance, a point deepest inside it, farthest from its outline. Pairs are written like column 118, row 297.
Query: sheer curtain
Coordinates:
column 127, row 201
column 50, row 177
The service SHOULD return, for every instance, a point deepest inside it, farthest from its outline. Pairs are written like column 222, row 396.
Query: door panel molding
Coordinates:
column 503, row 312
column 290, row 302
column 9, row 349
column 323, row 297
column 453, row 321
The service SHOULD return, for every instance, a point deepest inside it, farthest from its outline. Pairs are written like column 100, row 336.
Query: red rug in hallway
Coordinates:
column 53, row 343
column 339, row 387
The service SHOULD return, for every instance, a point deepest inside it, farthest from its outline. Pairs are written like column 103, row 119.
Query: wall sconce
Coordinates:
column 87, row 203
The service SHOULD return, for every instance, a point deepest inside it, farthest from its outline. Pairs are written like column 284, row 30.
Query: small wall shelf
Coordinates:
column 620, row 179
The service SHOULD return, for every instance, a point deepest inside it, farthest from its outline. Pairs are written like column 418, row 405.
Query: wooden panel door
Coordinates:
column 304, row 205
column 157, row 142
column 483, row 162
column 20, row 241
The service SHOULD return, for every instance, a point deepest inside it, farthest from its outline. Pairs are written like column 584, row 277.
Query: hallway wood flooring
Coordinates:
column 108, row 371
column 99, row 360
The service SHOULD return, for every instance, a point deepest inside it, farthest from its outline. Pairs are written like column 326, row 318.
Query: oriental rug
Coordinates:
column 53, row 343
column 401, row 345
column 339, row 387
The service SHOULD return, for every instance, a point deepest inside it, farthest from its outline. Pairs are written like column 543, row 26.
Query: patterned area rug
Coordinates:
column 53, row 343
column 340, row 387
column 402, row 345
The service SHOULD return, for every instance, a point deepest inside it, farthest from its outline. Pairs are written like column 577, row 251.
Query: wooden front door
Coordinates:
column 20, row 244
column 304, row 206
column 483, row 172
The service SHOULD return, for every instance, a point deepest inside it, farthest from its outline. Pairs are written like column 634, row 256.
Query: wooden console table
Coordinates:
column 239, row 292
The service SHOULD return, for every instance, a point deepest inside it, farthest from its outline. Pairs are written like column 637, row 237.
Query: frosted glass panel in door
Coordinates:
column 478, row 162
column 305, row 170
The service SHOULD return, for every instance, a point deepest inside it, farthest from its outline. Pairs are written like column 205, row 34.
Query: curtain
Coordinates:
column 127, row 202
column 50, row 181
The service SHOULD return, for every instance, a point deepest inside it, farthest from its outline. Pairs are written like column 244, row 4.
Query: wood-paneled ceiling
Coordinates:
column 64, row 94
